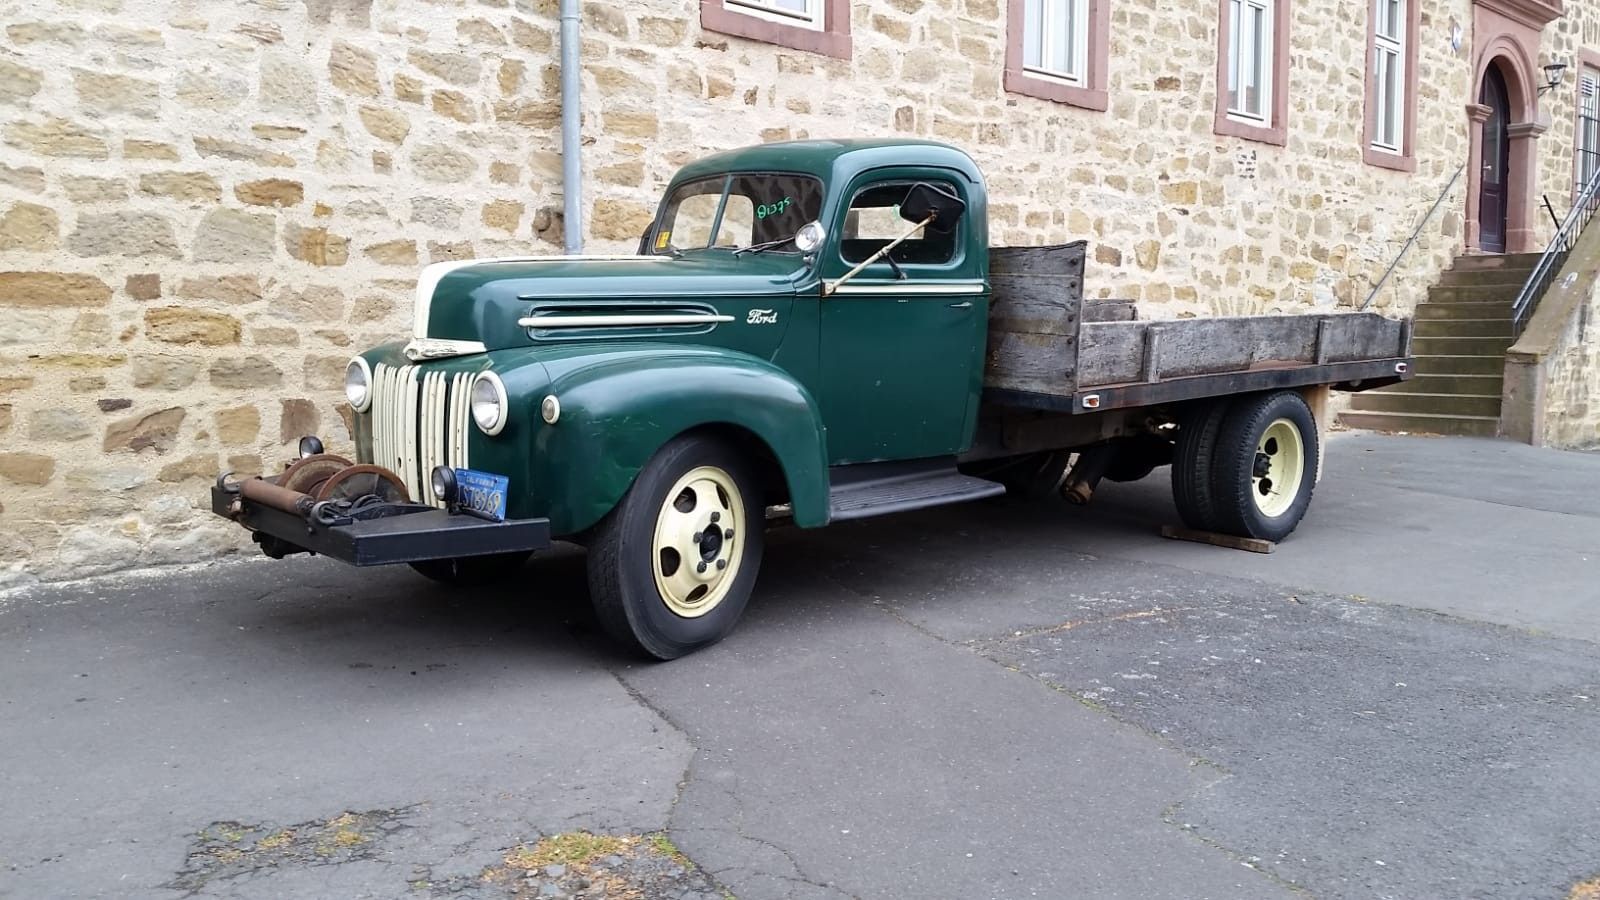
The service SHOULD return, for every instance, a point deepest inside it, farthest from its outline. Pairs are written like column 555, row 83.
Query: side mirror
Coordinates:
column 936, row 204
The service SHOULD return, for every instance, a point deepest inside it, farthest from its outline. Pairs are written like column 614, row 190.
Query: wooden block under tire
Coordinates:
column 1232, row 542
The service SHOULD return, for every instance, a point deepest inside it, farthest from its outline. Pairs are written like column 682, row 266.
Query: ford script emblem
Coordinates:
column 762, row 317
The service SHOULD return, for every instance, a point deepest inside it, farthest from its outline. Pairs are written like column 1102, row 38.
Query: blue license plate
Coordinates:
column 483, row 493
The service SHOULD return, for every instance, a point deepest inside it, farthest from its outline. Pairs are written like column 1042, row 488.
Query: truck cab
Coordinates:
column 893, row 357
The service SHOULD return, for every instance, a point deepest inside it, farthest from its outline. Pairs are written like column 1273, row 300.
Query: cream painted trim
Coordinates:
column 420, row 349
column 621, row 321
column 908, row 287
column 428, row 282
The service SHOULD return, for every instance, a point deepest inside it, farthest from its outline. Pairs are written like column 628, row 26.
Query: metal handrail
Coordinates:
column 1415, row 233
column 1555, row 255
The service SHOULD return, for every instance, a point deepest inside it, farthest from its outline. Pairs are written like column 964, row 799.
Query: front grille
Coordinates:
column 419, row 420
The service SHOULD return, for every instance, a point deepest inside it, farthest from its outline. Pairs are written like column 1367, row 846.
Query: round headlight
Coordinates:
column 809, row 238
column 489, row 403
column 358, row 384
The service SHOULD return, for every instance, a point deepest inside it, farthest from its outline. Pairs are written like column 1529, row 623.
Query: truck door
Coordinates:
column 901, row 352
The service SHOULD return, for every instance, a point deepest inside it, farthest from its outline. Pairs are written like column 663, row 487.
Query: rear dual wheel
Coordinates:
column 672, row 567
column 1247, row 467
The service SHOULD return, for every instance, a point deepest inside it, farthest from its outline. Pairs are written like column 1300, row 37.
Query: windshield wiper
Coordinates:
column 768, row 245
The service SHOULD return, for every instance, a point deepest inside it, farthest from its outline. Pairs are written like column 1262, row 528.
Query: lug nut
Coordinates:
column 695, row 538
column 716, row 517
column 700, row 567
column 728, row 535
column 721, row 564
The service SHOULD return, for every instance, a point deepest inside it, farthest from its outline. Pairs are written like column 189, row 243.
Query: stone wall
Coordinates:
column 1572, row 386
column 1552, row 376
column 206, row 206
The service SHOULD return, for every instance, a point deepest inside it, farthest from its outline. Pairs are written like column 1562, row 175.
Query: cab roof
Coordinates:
column 833, row 160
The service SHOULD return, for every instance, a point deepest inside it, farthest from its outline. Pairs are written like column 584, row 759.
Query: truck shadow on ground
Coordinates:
column 393, row 615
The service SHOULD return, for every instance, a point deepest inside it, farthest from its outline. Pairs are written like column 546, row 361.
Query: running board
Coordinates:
column 878, row 489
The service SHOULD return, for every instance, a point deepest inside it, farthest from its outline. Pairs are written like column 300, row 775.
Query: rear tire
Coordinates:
column 1192, row 464
column 672, row 566
column 1265, row 466
column 472, row 571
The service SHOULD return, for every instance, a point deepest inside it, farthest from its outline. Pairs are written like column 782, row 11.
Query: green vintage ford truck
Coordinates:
column 811, row 332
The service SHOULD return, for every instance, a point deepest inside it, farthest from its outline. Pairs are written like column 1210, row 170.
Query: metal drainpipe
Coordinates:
column 571, row 124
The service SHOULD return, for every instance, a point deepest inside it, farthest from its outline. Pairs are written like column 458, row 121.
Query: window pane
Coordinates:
column 1388, row 22
column 804, row 10
column 1061, row 36
column 1257, row 41
column 1032, row 33
column 691, row 226
column 1235, row 53
column 874, row 220
column 1389, row 70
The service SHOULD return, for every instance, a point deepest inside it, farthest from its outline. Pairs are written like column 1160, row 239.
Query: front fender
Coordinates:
column 620, row 408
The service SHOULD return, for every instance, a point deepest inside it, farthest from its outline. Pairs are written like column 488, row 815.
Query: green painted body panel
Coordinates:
column 619, row 403
column 849, row 378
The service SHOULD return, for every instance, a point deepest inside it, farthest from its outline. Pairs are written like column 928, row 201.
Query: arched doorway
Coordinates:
column 1494, row 171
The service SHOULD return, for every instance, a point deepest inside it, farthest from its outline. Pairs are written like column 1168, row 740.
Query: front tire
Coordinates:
column 1265, row 466
column 672, row 566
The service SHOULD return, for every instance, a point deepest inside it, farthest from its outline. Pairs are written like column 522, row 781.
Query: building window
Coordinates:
column 819, row 26
column 1056, row 50
column 1388, row 70
column 1586, row 147
column 1055, row 39
column 1253, row 69
column 1391, row 74
column 805, row 13
column 1250, row 60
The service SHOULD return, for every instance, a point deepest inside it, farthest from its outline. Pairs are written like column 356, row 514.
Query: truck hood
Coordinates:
column 477, row 305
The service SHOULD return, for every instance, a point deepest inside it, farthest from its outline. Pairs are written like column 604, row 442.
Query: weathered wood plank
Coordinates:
column 1110, row 310
column 1114, row 352
column 1034, row 317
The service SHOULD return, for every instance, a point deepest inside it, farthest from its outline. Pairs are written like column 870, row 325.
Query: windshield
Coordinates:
column 737, row 210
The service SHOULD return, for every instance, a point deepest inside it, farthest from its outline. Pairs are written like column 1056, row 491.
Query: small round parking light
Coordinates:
column 443, row 482
column 809, row 238
column 550, row 409
column 310, row 445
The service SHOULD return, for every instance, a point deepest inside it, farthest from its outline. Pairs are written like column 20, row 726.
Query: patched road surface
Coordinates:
column 1003, row 700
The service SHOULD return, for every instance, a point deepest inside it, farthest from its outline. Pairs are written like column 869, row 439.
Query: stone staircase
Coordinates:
column 1462, row 333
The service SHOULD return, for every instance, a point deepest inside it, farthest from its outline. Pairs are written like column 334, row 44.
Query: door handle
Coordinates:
column 965, row 304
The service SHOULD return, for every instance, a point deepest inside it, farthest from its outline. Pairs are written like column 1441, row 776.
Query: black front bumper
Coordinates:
column 413, row 537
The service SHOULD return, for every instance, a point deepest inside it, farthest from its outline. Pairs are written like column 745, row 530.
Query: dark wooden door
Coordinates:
column 1496, row 161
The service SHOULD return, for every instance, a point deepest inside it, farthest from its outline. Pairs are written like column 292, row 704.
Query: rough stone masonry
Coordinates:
column 207, row 206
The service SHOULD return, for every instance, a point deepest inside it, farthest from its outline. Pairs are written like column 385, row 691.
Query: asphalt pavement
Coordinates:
column 1006, row 700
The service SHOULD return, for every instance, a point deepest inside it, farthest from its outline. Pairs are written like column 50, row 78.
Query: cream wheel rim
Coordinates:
column 1280, row 466
column 698, row 542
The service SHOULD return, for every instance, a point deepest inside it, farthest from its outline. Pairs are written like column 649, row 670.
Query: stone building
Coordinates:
column 206, row 206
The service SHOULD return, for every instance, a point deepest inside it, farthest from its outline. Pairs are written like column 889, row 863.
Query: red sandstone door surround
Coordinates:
column 1503, row 123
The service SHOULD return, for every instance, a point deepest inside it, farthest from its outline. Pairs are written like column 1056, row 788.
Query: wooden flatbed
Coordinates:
column 1045, row 354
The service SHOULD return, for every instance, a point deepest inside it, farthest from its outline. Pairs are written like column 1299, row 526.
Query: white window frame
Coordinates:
column 1262, row 54
column 1586, row 143
column 812, row 18
column 1389, row 62
column 1052, row 34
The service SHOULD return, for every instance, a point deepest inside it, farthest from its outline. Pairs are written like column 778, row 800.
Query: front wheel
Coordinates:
column 672, row 566
column 1265, row 466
